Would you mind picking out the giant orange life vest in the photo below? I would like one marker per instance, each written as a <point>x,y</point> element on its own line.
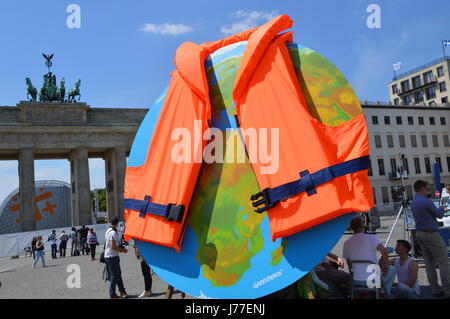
<point>322,170</point>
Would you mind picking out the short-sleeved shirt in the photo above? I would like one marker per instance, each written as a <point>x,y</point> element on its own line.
<point>111,235</point>
<point>361,246</point>
<point>73,235</point>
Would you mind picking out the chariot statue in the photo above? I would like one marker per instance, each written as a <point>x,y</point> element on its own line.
<point>49,91</point>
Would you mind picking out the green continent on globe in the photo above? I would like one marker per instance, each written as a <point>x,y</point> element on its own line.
<point>327,92</point>
<point>228,232</point>
<point>277,254</point>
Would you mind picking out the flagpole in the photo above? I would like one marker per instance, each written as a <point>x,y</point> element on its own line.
<point>443,48</point>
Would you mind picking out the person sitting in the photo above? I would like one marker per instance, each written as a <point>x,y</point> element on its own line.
<point>328,271</point>
<point>407,271</point>
<point>363,247</point>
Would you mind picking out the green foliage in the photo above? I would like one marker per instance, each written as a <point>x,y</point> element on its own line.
<point>101,199</point>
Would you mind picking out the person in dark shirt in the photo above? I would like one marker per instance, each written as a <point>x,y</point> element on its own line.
<point>83,231</point>
<point>432,245</point>
<point>39,252</point>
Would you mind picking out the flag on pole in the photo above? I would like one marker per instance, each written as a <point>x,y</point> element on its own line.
<point>397,66</point>
<point>446,43</point>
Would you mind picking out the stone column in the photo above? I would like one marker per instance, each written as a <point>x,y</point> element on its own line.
<point>26,190</point>
<point>81,190</point>
<point>115,165</point>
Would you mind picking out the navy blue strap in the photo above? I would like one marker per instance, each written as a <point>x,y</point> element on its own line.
<point>170,212</point>
<point>307,183</point>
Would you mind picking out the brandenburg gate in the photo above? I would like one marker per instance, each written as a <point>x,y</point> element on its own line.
<point>72,131</point>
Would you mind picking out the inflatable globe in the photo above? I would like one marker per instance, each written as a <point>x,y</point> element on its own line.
<point>227,250</point>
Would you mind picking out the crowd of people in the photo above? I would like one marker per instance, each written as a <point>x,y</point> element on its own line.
<point>360,253</point>
<point>83,240</point>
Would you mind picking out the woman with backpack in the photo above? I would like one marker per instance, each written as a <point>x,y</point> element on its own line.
<point>92,242</point>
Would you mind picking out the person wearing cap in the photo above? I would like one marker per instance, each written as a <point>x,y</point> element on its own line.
<point>112,250</point>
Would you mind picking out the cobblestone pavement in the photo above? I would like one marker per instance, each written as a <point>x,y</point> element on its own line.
<point>20,280</point>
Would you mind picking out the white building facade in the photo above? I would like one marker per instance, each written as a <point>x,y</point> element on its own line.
<point>420,133</point>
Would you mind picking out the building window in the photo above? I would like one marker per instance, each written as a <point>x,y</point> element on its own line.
<point>448,164</point>
<point>370,167</point>
<point>381,171</point>
<point>446,141</point>
<point>417,165</point>
<point>394,89</point>
<point>405,86</point>
<point>396,101</point>
<point>427,165</point>
<point>384,194</point>
<point>375,120</point>
<point>432,103</point>
<point>393,165</point>
<point>428,77</point>
<point>378,141</point>
<point>420,120</point>
<point>401,140</point>
<point>390,141</point>
<point>444,100</point>
<point>398,119</point>
<point>406,165</point>
<point>410,120</point>
<point>387,120</point>
<point>442,120</point>
<point>432,121</point>
<point>435,140</point>
<point>418,96</point>
<point>413,141</point>
<point>409,193</point>
<point>416,82</point>
<point>442,87</point>
<point>440,71</point>
<point>431,92</point>
<point>424,140</point>
<point>438,161</point>
<point>408,99</point>
<point>374,196</point>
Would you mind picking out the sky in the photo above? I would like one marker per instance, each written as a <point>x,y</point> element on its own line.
<point>123,50</point>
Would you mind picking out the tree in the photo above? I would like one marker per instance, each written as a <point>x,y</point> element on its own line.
<point>101,199</point>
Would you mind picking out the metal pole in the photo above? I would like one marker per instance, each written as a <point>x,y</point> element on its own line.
<point>393,226</point>
<point>443,48</point>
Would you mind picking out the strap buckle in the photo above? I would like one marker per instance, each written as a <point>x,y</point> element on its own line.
<point>265,199</point>
<point>174,213</point>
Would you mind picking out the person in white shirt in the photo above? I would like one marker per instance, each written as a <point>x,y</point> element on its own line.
<point>407,271</point>
<point>53,241</point>
<point>112,250</point>
<point>364,247</point>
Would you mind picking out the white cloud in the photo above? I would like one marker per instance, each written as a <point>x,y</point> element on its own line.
<point>247,20</point>
<point>166,28</point>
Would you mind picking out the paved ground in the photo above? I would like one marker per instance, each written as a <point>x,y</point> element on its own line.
<point>19,280</point>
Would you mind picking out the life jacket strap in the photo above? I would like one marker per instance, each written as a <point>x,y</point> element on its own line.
<point>170,212</point>
<point>307,182</point>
